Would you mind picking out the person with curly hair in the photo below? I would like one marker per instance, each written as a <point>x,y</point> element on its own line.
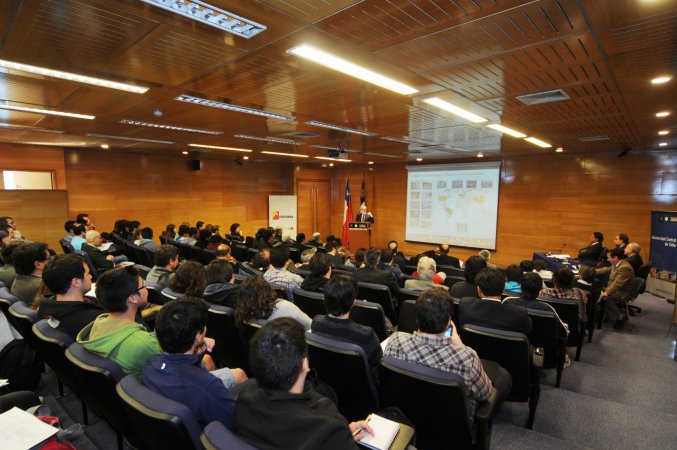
<point>188,280</point>
<point>259,303</point>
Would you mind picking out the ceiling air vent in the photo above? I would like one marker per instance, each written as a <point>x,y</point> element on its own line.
<point>300,135</point>
<point>543,97</point>
<point>593,138</point>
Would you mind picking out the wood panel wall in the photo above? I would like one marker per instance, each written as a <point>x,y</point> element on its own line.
<point>39,215</point>
<point>27,157</point>
<point>544,202</point>
<point>158,190</point>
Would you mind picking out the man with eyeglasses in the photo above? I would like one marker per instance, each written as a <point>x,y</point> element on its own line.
<point>116,335</point>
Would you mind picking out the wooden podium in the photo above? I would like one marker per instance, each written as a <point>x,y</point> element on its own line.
<point>359,235</point>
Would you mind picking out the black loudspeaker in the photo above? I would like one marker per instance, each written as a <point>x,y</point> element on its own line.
<point>195,164</point>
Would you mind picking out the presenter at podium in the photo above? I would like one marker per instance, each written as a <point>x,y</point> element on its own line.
<point>364,216</point>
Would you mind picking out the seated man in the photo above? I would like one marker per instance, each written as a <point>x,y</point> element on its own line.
<point>101,260</point>
<point>486,254</point>
<point>587,282</point>
<point>315,240</point>
<point>181,327</point>
<point>468,288</point>
<point>332,252</point>
<point>306,256</point>
<point>116,335</point>
<point>590,254</point>
<point>338,300</point>
<point>388,263</point>
<point>320,272</point>
<point>69,226</point>
<point>30,260</point>
<point>79,239</point>
<point>278,273</point>
<point>620,288</point>
<point>488,311</point>
<point>221,287</point>
<point>166,260</point>
<point>67,276</point>
<point>147,239</point>
<point>7,271</point>
<point>371,274</point>
<point>541,269</point>
<point>280,410</point>
<point>632,252</point>
<point>431,347</point>
<point>564,288</point>
<point>443,258</point>
<point>189,236</point>
<point>513,275</point>
<point>426,269</point>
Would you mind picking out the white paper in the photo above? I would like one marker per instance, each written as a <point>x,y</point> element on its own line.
<point>92,291</point>
<point>105,247</point>
<point>21,430</point>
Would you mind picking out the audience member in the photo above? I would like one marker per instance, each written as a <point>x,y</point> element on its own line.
<point>387,263</point>
<point>30,260</point>
<point>189,279</point>
<point>147,239</point>
<point>359,257</point>
<point>223,252</point>
<point>299,245</point>
<point>203,238</point>
<point>398,257</point>
<point>166,261</point>
<point>513,275</point>
<point>621,240</point>
<point>344,253</point>
<point>261,260</point>
<point>277,272</point>
<point>214,241</point>
<point>426,270</point>
<point>281,410</point>
<point>235,235</point>
<point>221,287</point>
<point>7,271</point>
<point>78,239</point>
<point>258,302</point>
<point>189,236</point>
<point>69,226</point>
<point>332,252</point>
<point>468,288</point>
<point>320,272</point>
<point>170,232</point>
<point>619,290</point>
<point>267,238</point>
<point>540,269</point>
<point>632,253</point>
<point>486,254</point>
<point>590,254</point>
<point>564,289</point>
<point>67,277</point>
<point>306,256</point>
<point>527,265</point>
<point>102,261</point>
<point>315,240</point>
<point>83,219</point>
<point>371,274</point>
<point>442,257</point>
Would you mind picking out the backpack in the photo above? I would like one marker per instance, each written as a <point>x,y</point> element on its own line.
<point>20,365</point>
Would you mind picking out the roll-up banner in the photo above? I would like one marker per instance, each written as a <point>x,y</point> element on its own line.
<point>663,254</point>
<point>282,213</point>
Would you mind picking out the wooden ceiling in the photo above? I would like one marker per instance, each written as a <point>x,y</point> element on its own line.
<point>602,54</point>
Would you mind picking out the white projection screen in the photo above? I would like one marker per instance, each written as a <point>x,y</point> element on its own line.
<point>455,204</point>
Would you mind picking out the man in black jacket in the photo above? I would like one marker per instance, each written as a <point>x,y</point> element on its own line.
<point>590,254</point>
<point>371,274</point>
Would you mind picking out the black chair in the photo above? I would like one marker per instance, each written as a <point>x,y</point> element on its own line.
<point>513,352</point>
<point>282,291</point>
<point>154,296</point>
<point>451,271</point>
<point>7,299</point>
<point>162,423</point>
<point>435,401</point>
<point>408,322</point>
<point>295,255</point>
<point>141,255</point>
<point>450,281</point>
<point>88,260</point>
<point>311,303</point>
<point>545,334</point>
<point>98,376</point>
<point>640,284</point>
<point>51,345</point>
<point>249,270</point>
<point>344,367</point>
<point>23,318</point>
<point>184,250</point>
<point>568,313</point>
<point>239,252</point>
<point>216,436</point>
<point>165,297</point>
<point>409,269</point>
<point>371,315</point>
<point>229,348</point>
<point>249,329</point>
<point>250,242</point>
<point>409,294</point>
<point>163,240</point>
<point>378,293</point>
<point>66,246</point>
<point>143,270</point>
<point>207,256</point>
<point>239,278</point>
<point>302,272</point>
<point>251,252</point>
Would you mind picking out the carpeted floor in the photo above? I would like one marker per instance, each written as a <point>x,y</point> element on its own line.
<point>620,395</point>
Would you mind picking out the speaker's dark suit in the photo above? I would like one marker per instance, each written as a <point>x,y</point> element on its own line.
<point>364,218</point>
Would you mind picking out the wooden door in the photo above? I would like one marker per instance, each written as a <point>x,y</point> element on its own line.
<point>314,208</point>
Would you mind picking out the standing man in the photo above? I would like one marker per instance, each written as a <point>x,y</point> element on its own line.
<point>621,285</point>
<point>364,216</point>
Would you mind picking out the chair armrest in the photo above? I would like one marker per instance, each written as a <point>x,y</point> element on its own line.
<point>485,409</point>
<point>537,358</point>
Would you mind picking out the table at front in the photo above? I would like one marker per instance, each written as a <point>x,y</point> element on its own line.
<point>553,264</point>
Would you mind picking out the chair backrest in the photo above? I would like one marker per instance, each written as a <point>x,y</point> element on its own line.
<point>143,270</point>
<point>451,280</point>
<point>161,422</point>
<point>154,296</point>
<point>6,300</point>
<point>66,246</point>
<point>408,322</point>
<point>166,297</point>
<point>92,268</point>
<point>451,271</point>
<point>282,291</point>
<point>509,349</point>
<point>344,367</point>
<point>545,334</point>
<point>184,250</point>
<point>248,269</point>
<point>239,252</point>
<point>295,255</point>
<point>302,272</point>
<point>371,315</point>
<point>250,242</point>
<point>229,348</point>
<point>644,269</point>
<point>23,318</point>
<point>163,240</point>
<point>140,256</point>
<point>207,256</point>
<point>239,278</point>
<point>97,376</point>
<point>568,313</point>
<point>216,436</point>
<point>640,283</point>
<point>311,303</point>
<point>251,252</point>
<point>51,344</point>
<point>249,329</point>
<point>433,400</point>
<point>409,294</point>
<point>378,293</point>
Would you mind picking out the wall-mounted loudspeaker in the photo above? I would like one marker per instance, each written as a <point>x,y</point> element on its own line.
<point>195,164</point>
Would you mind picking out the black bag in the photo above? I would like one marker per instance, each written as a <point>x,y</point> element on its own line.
<point>21,366</point>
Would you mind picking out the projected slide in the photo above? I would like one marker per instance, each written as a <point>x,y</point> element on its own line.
<point>456,204</point>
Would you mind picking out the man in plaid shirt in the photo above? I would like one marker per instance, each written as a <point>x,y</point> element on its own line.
<point>565,289</point>
<point>278,273</point>
<point>430,347</point>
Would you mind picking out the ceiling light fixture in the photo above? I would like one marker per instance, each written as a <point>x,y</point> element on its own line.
<point>50,112</point>
<point>168,127</point>
<point>341,65</point>
<point>274,140</point>
<point>331,164</point>
<point>663,132</point>
<point>216,147</point>
<point>663,114</point>
<point>317,123</point>
<point>184,152</point>
<point>55,144</point>
<point>538,142</point>
<point>370,162</point>
<point>73,77</point>
<point>8,126</point>
<point>438,102</point>
<point>104,146</point>
<point>229,107</point>
<point>661,80</point>
<point>663,144</point>
<point>125,138</point>
<point>506,130</point>
<point>559,150</point>
<point>480,155</point>
<point>333,159</point>
<point>245,157</point>
<point>295,155</point>
<point>211,15</point>
<point>419,159</point>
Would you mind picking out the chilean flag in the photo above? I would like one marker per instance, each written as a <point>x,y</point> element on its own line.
<point>347,214</point>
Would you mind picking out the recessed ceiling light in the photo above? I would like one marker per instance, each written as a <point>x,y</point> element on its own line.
<point>55,144</point>
<point>333,62</point>
<point>125,138</point>
<point>663,114</point>
<point>50,112</point>
<point>331,164</point>
<point>295,155</point>
<point>104,146</point>
<point>506,130</point>
<point>661,80</point>
<point>184,152</point>
<point>211,15</point>
<point>419,159</point>
<point>245,157</point>
<point>268,139</point>
<point>663,144</point>
<point>480,155</point>
<point>168,127</point>
<point>538,142</point>
<point>216,147</point>
<point>73,77</point>
<point>370,162</point>
<point>333,159</point>
<point>229,107</point>
<point>316,123</point>
<point>663,132</point>
<point>438,102</point>
<point>559,150</point>
<point>8,126</point>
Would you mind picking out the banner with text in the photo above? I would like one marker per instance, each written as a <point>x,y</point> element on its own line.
<point>663,254</point>
<point>282,213</point>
